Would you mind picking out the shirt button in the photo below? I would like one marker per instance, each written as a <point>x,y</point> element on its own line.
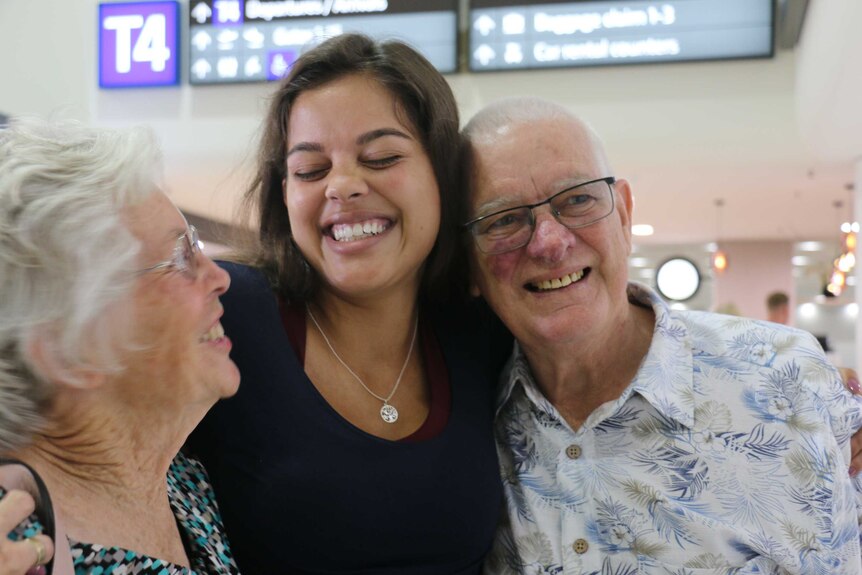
<point>580,546</point>
<point>573,451</point>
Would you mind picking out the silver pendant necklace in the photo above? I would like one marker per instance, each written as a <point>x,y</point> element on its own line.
<point>388,413</point>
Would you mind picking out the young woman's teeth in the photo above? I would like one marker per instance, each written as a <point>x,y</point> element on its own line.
<point>215,332</point>
<point>557,283</point>
<point>357,231</point>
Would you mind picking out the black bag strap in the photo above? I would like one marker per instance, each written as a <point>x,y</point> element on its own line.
<point>44,507</point>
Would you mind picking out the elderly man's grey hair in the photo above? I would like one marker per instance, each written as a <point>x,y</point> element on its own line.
<point>488,122</point>
<point>508,111</point>
<point>65,256</point>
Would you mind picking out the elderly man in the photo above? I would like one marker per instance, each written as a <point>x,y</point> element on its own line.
<point>636,439</point>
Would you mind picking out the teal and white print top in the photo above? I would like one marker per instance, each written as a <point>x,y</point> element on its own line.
<point>727,455</point>
<point>200,524</point>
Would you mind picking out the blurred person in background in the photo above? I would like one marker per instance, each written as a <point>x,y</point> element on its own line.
<point>778,308</point>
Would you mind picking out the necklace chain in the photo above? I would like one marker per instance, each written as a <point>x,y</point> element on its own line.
<point>387,412</point>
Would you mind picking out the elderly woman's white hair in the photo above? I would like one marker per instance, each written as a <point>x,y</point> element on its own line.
<point>66,257</point>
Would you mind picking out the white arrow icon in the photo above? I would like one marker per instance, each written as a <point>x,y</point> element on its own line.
<point>201,40</point>
<point>201,68</point>
<point>254,38</point>
<point>484,24</point>
<point>201,12</point>
<point>484,54</point>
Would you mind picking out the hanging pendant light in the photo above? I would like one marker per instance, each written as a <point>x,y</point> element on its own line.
<point>846,261</point>
<point>719,256</point>
<point>719,260</point>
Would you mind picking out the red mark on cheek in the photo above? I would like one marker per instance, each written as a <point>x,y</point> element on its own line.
<point>502,266</point>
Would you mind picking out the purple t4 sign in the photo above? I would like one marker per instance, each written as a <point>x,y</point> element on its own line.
<point>138,44</point>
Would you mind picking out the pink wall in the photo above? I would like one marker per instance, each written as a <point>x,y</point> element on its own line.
<point>755,269</point>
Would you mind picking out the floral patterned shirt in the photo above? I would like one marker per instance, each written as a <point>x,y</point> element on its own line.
<point>194,506</point>
<point>199,521</point>
<point>727,454</point>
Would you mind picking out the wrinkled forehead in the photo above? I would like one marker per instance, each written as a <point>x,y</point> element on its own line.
<point>525,162</point>
<point>156,223</point>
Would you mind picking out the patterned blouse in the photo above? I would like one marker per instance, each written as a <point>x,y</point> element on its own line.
<point>199,520</point>
<point>726,455</point>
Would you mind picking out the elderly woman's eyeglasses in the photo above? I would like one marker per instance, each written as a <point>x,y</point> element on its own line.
<point>574,207</point>
<point>185,255</point>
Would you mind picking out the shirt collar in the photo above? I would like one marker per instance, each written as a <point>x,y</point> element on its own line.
<point>664,378</point>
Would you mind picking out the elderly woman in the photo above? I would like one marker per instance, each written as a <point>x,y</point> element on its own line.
<point>111,350</point>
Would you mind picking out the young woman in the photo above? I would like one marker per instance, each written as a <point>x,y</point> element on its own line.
<point>360,440</point>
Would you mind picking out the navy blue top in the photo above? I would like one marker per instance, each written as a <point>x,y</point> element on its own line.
<point>302,490</point>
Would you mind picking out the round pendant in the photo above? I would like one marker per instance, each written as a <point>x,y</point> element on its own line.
<point>388,413</point>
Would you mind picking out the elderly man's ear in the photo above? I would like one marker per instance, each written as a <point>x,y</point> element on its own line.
<point>626,198</point>
<point>625,205</point>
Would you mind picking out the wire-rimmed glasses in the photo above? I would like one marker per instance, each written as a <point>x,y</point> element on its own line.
<point>185,258</point>
<point>574,207</point>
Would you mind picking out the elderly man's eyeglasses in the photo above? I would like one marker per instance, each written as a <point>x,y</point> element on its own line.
<point>185,258</point>
<point>574,207</point>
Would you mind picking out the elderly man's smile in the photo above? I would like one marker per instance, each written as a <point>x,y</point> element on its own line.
<point>558,283</point>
